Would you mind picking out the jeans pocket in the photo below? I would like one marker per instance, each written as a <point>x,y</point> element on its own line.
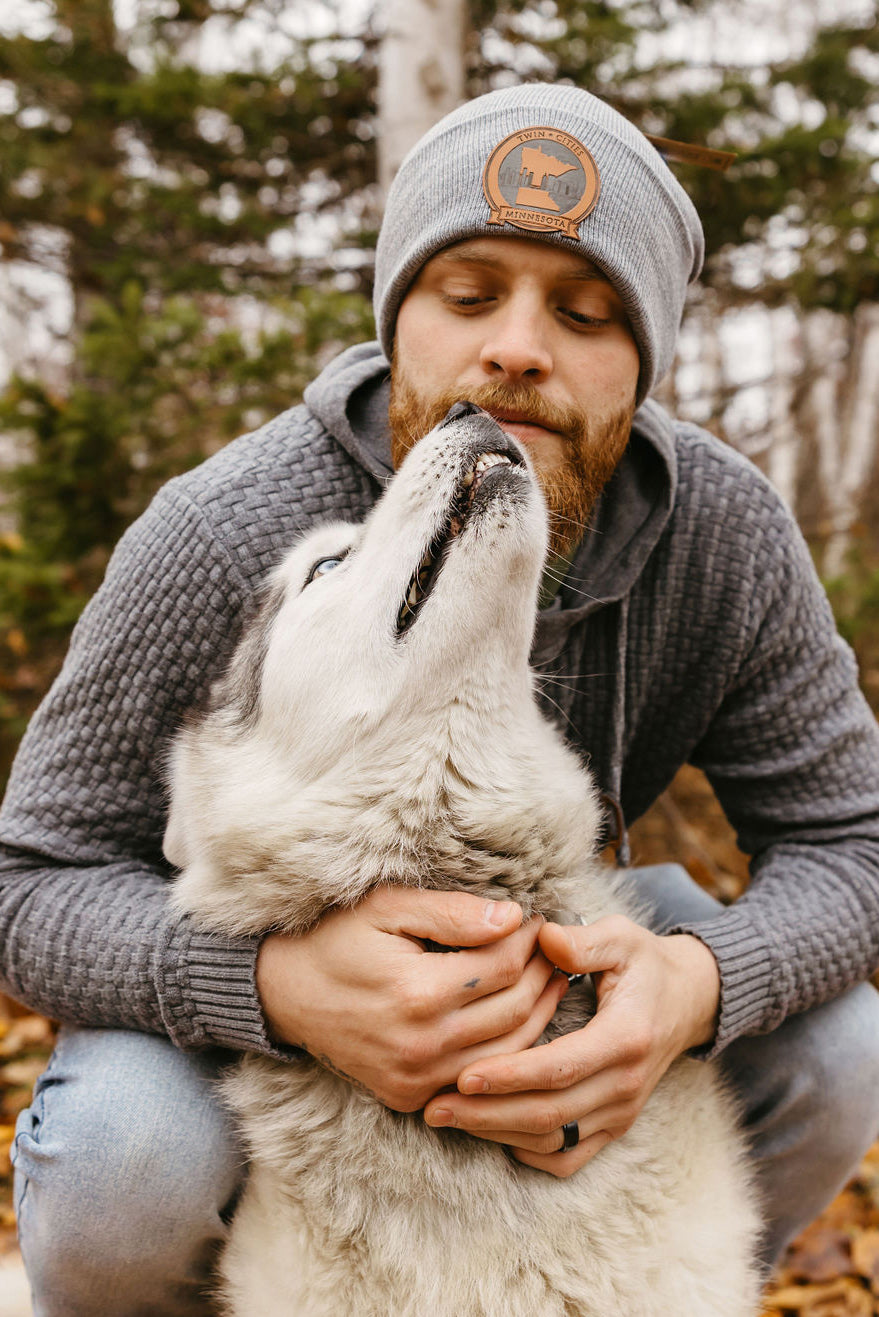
<point>26,1140</point>
<point>24,1128</point>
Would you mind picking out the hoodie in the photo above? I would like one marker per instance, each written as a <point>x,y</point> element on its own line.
<point>690,627</point>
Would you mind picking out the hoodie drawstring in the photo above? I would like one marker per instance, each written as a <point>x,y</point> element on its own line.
<point>624,853</point>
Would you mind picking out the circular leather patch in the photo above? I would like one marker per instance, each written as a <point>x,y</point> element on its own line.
<point>541,179</point>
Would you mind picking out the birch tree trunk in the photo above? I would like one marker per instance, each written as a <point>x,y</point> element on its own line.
<point>856,451</point>
<point>421,74</point>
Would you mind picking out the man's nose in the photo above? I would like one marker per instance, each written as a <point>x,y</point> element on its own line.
<point>517,345</point>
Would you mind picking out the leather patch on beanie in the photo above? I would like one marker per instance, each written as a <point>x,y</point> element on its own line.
<point>541,179</point>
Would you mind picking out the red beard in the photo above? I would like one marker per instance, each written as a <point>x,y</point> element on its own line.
<point>570,486</point>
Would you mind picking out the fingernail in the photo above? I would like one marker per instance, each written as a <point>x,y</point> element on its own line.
<point>497,912</point>
<point>440,1116</point>
<point>473,1084</point>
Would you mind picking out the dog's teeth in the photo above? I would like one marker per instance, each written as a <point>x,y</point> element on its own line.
<point>470,480</point>
<point>485,460</point>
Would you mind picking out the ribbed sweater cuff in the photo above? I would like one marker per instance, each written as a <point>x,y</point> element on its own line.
<point>747,976</point>
<point>222,985</point>
<point>209,992</point>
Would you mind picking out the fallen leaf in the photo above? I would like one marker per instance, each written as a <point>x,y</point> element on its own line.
<point>24,1073</point>
<point>865,1257</point>
<point>848,1207</point>
<point>842,1298</point>
<point>26,1031</point>
<point>820,1253</point>
<point>7,1134</point>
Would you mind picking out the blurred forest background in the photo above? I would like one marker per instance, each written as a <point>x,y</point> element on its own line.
<point>188,202</point>
<point>189,195</point>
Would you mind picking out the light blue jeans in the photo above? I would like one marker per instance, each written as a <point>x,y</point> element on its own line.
<point>126,1170</point>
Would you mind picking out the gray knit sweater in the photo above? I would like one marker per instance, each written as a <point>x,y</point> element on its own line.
<point>691,628</point>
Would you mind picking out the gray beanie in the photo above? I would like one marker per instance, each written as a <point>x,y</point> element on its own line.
<point>555,163</point>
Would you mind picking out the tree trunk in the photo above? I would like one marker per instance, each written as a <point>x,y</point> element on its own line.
<point>421,74</point>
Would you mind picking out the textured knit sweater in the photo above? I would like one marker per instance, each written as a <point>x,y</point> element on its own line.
<point>691,627</point>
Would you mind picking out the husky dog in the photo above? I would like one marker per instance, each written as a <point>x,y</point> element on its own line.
<point>378,724</point>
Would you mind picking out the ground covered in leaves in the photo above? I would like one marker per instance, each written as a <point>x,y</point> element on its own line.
<point>25,1044</point>
<point>831,1270</point>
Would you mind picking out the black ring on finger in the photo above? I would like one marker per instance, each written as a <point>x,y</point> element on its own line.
<point>570,1136</point>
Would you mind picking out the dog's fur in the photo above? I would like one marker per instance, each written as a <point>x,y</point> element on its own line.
<point>339,753</point>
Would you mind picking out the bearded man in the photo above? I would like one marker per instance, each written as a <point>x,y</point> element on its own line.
<point>534,259</point>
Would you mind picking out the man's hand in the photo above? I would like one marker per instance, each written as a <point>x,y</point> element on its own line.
<point>657,997</point>
<point>362,994</point>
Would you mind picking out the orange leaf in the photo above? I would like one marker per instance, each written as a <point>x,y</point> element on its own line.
<point>842,1298</point>
<point>865,1256</point>
<point>7,1134</point>
<point>16,641</point>
<point>26,1031</point>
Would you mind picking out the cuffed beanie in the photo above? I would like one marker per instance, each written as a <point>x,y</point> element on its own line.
<point>557,164</point>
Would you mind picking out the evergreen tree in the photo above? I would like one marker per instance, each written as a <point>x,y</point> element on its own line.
<point>806,181</point>
<point>159,190</point>
<point>163,192</point>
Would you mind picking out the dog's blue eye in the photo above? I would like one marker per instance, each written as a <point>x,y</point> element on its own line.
<point>321,567</point>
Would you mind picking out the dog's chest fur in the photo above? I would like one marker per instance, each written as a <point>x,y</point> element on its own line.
<point>425,760</point>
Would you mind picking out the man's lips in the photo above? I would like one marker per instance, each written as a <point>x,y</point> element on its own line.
<point>510,419</point>
<point>521,427</point>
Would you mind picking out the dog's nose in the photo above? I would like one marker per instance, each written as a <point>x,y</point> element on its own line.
<point>459,409</point>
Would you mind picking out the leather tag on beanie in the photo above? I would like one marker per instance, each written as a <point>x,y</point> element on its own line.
<point>684,153</point>
<point>541,179</point>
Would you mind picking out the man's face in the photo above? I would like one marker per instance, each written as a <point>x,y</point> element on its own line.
<point>539,338</point>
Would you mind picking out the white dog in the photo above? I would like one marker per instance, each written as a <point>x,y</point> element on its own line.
<point>378,724</point>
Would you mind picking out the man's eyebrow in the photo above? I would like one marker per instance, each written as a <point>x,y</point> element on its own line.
<point>463,256</point>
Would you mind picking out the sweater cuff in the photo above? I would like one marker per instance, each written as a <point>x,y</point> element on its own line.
<point>208,992</point>
<point>747,976</point>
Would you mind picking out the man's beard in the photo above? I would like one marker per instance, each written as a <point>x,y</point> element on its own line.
<point>570,486</point>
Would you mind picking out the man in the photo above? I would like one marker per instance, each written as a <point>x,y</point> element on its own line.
<point>534,259</point>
